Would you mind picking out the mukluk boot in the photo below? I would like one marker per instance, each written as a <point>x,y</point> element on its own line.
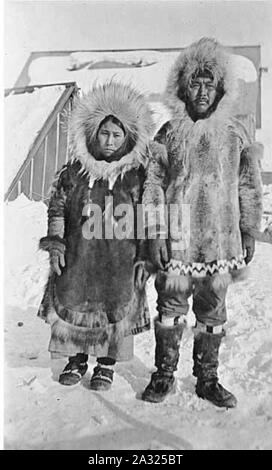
<point>102,377</point>
<point>205,356</point>
<point>166,360</point>
<point>74,370</point>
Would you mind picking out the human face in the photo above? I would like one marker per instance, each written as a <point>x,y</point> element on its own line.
<point>110,138</point>
<point>201,96</point>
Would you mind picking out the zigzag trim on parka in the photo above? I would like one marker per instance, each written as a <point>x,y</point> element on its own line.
<point>201,270</point>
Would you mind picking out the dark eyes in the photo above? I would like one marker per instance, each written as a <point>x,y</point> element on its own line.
<point>107,133</point>
<point>195,85</point>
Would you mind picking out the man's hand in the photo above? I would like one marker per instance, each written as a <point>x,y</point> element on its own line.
<point>158,252</point>
<point>57,261</point>
<point>248,244</point>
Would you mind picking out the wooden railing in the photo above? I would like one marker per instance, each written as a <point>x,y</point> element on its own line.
<point>48,152</point>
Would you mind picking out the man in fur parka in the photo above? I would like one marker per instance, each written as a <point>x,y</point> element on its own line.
<point>209,164</point>
<point>95,294</point>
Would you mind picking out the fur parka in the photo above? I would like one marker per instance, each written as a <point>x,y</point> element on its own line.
<point>94,304</point>
<point>209,168</point>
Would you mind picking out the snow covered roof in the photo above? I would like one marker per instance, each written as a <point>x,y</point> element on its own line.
<point>25,115</point>
<point>146,70</point>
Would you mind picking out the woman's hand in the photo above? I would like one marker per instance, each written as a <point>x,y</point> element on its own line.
<point>55,246</point>
<point>57,261</point>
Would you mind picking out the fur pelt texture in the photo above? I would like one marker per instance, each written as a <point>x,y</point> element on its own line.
<point>211,168</point>
<point>52,243</point>
<point>205,54</point>
<point>94,304</point>
<point>126,104</point>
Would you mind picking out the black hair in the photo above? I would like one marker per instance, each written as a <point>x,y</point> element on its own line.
<point>114,120</point>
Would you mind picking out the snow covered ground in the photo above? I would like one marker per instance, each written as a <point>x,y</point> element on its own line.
<point>42,414</point>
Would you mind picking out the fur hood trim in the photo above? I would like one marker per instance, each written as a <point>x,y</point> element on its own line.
<point>206,53</point>
<point>130,107</point>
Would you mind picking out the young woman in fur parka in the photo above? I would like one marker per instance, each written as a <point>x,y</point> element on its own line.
<point>91,299</point>
<point>208,163</point>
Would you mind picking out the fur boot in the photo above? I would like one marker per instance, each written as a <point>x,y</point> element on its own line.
<point>74,370</point>
<point>166,360</point>
<point>102,378</point>
<point>205,355</point>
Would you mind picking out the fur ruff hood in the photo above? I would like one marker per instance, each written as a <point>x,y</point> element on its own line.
<point>206,54</point>
<point>127,105</point>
